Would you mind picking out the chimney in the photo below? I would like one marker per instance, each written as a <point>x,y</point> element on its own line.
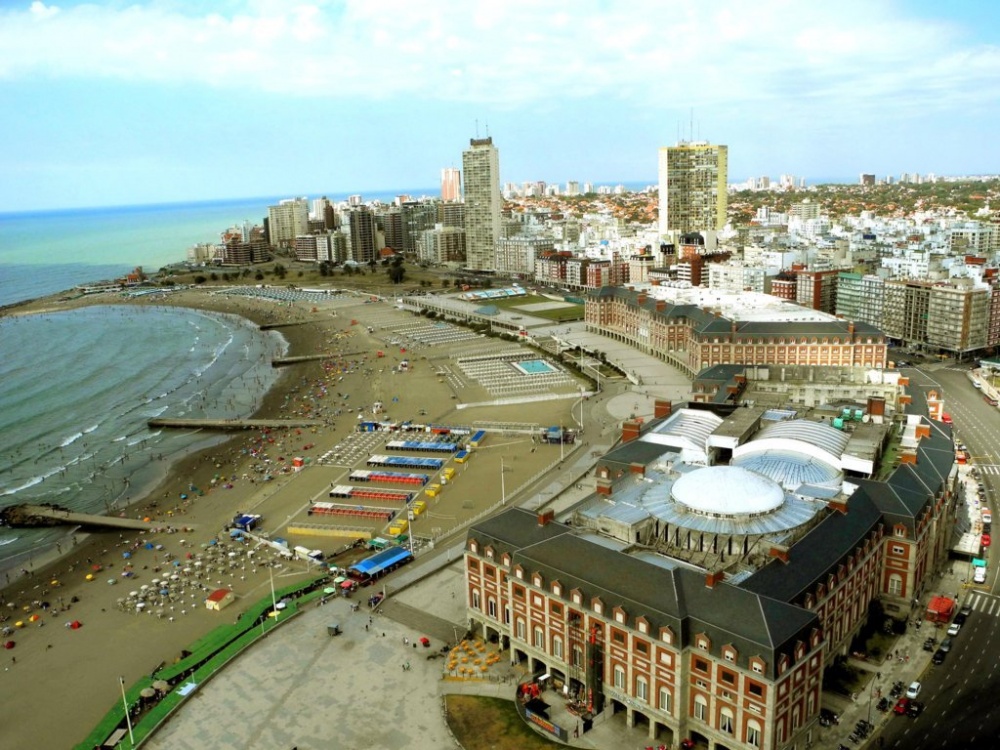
<point>876,406</point>
<point>603,486</point>
<point>631,430</point>
<point>713,578</point>
<point>838,505</point>
<point>779,553</point>
<point>637,468</point>
<point>922,431</point>
<point>662,408</point>
<point>641,299</point>
<point>544,518</point>
<point>661,305</point>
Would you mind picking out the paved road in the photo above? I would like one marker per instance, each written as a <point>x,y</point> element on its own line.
<point>961,709</point>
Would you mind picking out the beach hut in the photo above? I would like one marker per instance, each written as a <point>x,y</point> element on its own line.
<point>219,599</point>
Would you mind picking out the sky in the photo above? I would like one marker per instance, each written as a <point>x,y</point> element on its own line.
<point>162,101</point>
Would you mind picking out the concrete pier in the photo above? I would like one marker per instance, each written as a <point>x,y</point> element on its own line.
<point>282,361</point>
<point>42,515</point>
<point>232,424</point>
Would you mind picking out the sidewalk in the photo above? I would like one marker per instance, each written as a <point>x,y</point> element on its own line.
<point>862,705</point>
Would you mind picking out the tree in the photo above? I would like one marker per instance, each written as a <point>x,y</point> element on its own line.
<point>259,276</point>
<point>396,273</point>
<point>199,279</point>
<point>279,270</point>
<point>214,276</point>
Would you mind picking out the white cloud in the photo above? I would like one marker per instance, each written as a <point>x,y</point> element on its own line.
<point>644,53</point>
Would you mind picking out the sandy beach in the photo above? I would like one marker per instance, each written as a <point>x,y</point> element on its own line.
<point>76,670</point>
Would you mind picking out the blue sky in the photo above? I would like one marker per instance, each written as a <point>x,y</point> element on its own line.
<point>142,102</point>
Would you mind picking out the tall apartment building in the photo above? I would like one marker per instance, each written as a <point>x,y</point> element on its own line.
<point>392,226</point>
<point>441,245</point>
<point>817,290</point>
<point>860,297</point>
<point>736,276</point>
<point>516,255</point>
<point>693,189</point>
<point>364,235</point>
<point>481,165</point>
<point>451,184</point>
<point>952,317</point>
<point>287,220</point>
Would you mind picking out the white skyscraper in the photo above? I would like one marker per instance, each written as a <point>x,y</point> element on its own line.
<point>481,166</point>
<point>693,189</point>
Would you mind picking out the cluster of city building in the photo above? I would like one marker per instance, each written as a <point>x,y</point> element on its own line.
<point>927,281</point>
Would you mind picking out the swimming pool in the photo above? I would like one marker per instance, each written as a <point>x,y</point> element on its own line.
<point>533,367</point>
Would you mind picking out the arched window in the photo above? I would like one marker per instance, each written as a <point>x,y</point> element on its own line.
<point>700,708</point>
<point>726,720</point>
<point>753,733</point>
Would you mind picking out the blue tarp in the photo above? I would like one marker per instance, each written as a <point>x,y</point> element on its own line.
<point>372,566</point>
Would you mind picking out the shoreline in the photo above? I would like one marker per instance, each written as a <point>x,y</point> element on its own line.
<point>157,473</point>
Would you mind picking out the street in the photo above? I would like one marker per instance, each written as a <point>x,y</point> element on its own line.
<point>961,710</point>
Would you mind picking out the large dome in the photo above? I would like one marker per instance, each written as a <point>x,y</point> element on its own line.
<point>727,491</point>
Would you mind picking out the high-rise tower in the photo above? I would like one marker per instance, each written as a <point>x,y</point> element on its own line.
<point>451,184</point>
<point>693,184</point>
<point>483,201</point>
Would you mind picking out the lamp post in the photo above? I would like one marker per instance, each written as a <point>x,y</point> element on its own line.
<point>128,718</point>
<point>503,486</point>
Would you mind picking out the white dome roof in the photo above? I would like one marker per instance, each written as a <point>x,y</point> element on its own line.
<point>727,491</point>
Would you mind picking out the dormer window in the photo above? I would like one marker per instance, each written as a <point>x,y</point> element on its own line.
<point>557,589</point>
<point>473,546</point>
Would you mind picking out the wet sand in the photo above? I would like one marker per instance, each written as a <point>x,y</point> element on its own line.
<point>73,673</point>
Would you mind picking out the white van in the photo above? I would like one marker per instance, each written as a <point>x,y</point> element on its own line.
<point>987,517</point>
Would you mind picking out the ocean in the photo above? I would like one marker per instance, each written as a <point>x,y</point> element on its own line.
<point>77,387</point>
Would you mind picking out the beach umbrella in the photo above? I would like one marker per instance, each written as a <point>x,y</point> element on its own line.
<point>9,645</point>
<point>90,576</point>
<point>183,496</point>
<point>161,685</point>
<point>34,618</point>
<point>76,625</point>
<point>126,555</point>
<point>147,693</point>
<point>19,624</point>
<point>112,581</point>
<point>148,545</point>
<point>95,566</point>
<point>53,582</point>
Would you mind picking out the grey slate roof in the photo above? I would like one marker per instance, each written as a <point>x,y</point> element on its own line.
<point>819,552</point>
<point>675,598</point>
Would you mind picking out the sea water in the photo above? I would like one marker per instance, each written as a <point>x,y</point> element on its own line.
<point>77,389</point>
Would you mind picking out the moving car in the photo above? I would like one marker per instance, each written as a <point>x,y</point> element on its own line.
<point>946,418</point>
<point>913,690</point>
<point>901,705</point>
<point>913,710</point>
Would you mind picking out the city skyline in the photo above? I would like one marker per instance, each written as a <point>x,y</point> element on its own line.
<point>115,104</point>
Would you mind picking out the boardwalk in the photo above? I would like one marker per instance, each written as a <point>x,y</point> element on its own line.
<point>232,424</point>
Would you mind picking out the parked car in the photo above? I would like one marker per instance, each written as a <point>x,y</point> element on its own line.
<point>914,709</point>
<point>960,619</point>
<point>966,610</point>
<point>979,576</point>
<point>946,645</point>
<point>986,540</point>
<point>930,643</point>
<point>939,656</point>
<point>913,690</point>
<point>901,705</point>
<point>954,628</point>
